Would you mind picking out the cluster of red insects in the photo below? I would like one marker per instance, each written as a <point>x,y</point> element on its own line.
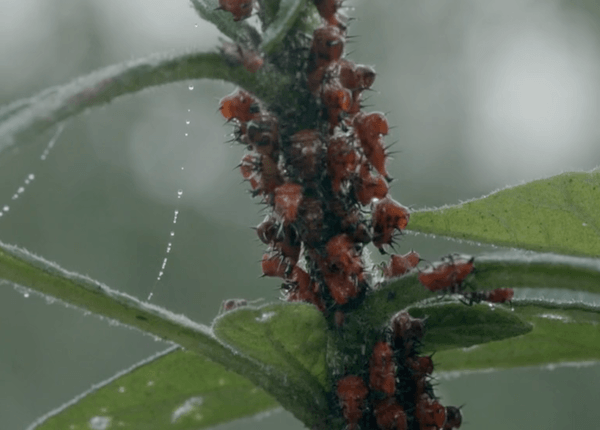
<point>318,169</point>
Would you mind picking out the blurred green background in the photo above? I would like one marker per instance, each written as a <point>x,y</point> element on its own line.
<point>484,94</point>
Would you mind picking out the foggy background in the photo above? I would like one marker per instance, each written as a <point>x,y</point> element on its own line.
<point>483,94</point>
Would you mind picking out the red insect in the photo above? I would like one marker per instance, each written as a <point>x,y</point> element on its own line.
<point>249,168</point>
<point>366,76</point>
<point>341,287</point>
<point>352,392</point>
<point>231,304</point>
<point>368,187</point>
<point>311,221</point>
<point>390,415</point>
<point>388,216</point>
<point>336,99</point>
<point>342,256</point>
<point>347,74</point>
<point>376,155</point>
<point>236,54</point>
<point>287,200</point>
<point>406,330</point>
<point>342,161</point>
<point>270,177</point>
<point>239,105</point>
<point>355,77</point>
<point>302,289</point>
<point>420,366</point>
<point>306,153</point>
<point>327,47</point>
<point>252,61</point>
<point>453,418</point>
<point>267,230</point>
<point>288,245</point>
<point>262,133</point>
<point>447,275</point>
<point>382,369</point>
<point>327,10</point>
<point>430,414</point>
<point>240,9</point>
<point>273,265</point>
<point>499,295</point>
<point>370,126</point>
<point>401,264</point>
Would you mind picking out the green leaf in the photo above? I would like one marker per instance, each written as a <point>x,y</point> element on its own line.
<point>558,335</point>
<point>26,118</point>
<point>172,390</point>
<point>454,325</point>
<point>560,214</point>
<point>21,268</point>
<point>288,338</point>
<point>287,14</point>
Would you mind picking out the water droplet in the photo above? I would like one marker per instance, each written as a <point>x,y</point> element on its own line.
<point>196,25</point>
<point>5,208</point>
<point>584,224</point>
<point>189,110</point>
<point>21,190</point>
<point>190,405</point>
<point>26,295</point>
<point>266,316</point>
<point>31,177</point>
<point>172,233</point>
<point>150,383</point>
<point>179,192</point>
<point>182,168</point>
<point>191,87</point>
<point>188,122</point>
<point>121,389</point>
<point>150,296</point>
<point>99,423</point>
<point>187,134</point>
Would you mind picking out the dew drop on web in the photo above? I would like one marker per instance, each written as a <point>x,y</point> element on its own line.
<point>163,266</point>
<point>30,177</point>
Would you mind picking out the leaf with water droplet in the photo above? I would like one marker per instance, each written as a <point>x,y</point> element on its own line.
<point>559,214</point>
<point>173,390</point>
